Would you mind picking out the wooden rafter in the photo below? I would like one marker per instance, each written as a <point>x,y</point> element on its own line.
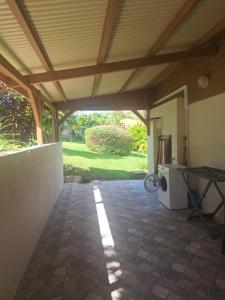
<point>176,21</point>
<point>34,40</point>
<point>214,33</point>
<point>120,65</point>
<point>105,39</point>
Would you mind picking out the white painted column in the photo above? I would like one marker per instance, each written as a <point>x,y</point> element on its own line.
<point>152,146</point>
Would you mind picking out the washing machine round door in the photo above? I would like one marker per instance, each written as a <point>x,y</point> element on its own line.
<point>163,183</point>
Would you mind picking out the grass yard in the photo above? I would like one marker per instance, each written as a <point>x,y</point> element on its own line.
<point>81,161</point>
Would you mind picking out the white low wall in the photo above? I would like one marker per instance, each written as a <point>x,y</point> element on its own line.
<point>30,182</point>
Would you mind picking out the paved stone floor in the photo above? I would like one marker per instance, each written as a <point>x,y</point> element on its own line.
<point>112,240</point>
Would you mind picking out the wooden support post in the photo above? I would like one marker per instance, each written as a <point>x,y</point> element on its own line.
<point>37,107</point>
<point>148,121</point>
<point>55,126</point>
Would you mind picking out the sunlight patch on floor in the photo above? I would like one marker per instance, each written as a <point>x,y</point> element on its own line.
<point>113,266</point>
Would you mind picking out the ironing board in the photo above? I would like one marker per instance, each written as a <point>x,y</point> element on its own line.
<point>214,177</point>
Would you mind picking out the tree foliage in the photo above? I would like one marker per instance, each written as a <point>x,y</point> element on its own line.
<point>47,127</point>
<point>138,133</point>
<point>77,124</point>
<point>17,121</point>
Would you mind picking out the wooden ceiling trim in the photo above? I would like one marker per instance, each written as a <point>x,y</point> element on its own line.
<point>214,33</point>
<point>176,21</point>
<point>120,65</point>
<point>34,40</point>
<point>105,39</point>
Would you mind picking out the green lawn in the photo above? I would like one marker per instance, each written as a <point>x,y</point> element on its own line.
<point>92,165</point>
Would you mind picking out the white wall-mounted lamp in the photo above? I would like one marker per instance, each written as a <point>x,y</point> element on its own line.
<point>203,81</point>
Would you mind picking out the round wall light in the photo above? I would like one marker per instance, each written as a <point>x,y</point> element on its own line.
<point>203,81</point>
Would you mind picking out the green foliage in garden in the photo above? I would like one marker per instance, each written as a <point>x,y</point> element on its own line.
<point>47,127</point>
<point>108,139</point>
<point>77,124</point>
<point>17,127</point>
<point>138,133</point>
<point>115,117</point>
<point>17,122</point>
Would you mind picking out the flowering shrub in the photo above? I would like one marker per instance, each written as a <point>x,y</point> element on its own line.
<point>108,139</point>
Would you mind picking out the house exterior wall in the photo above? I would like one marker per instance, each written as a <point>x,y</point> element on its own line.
<point>206,123</point>
<point>30,182</point>
<point>207,140</point>
<point>206,112</point>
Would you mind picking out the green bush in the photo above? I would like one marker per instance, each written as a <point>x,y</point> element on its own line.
<point>108,139</point>
<point>138,134</point>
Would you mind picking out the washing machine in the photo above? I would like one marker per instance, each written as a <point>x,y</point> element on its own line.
<point>172,192</point>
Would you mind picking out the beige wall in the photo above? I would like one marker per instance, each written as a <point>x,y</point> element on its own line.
<point>30,182</point>
<point>207,139</point>
<point>206,136</point>
<point>172,123</point>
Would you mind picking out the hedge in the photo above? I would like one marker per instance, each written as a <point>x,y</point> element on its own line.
<point>108,139</point>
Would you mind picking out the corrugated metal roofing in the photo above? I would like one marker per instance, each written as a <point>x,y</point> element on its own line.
<point>71,31</point>
<point>206,15</point>
<point>13,44</point>
<point>138,25</point>
<point>48,88</point>
<point>79,87</point>
<point>145,77</point>
<point>113,82</point>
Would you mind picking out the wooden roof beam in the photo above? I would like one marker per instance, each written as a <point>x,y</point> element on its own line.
<point>34,40</point>
<point>120,65</point>
<point>105,39</point>
<point>133,100</point>
<point>176,21</point>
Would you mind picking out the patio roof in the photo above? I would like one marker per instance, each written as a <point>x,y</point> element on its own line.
<point>122,46</point>
<point>101,55</point>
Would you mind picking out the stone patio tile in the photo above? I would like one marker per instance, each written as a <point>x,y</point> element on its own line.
<point>156,253</point>
<point>178,267</point>
<point>160,291</point>
<point>142,253</point>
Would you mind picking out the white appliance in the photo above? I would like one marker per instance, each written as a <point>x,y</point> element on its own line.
<point>172,192</point>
